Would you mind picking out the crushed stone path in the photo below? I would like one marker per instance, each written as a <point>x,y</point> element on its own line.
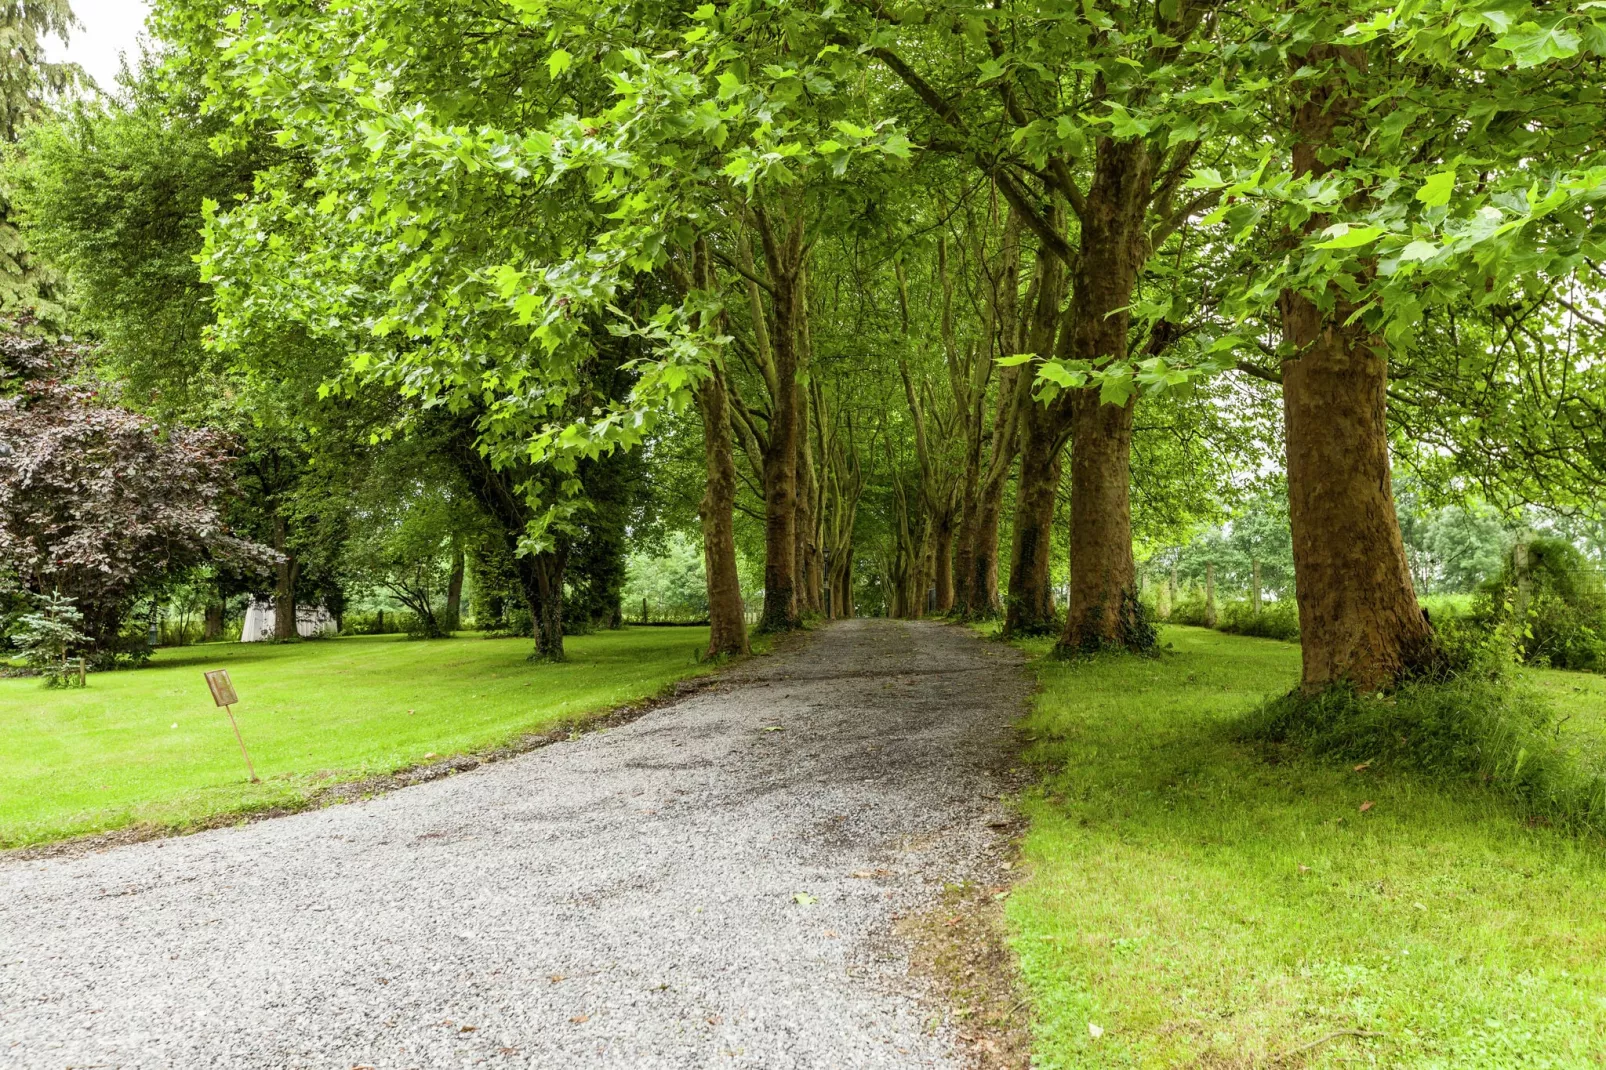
<point>712,885</point>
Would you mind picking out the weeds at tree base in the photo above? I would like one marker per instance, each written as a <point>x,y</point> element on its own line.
<point>1469,727</point>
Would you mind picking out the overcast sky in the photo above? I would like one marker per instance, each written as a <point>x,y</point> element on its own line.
<point>110,28</point>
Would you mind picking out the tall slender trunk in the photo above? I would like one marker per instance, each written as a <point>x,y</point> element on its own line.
<point>1359,620</point>
<point>284,591</point>
<point>783,256</point>
<point>1030,607</point>
<point>454,592</point>
<point>942,538</point>
<point>726,613</point>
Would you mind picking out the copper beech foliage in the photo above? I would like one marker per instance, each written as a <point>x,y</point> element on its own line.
<point>98,503</point>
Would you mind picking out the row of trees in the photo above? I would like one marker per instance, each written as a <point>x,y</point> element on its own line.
<point>927,298</point>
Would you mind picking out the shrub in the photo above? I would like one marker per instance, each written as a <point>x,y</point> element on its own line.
<point>1189,609</point>
<point>1565,622</point>
<point>1276,620</point>
<point>1476,726</point>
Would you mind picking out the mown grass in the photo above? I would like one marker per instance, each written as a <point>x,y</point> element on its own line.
<point>1202,905</point>
<point>148,746</point>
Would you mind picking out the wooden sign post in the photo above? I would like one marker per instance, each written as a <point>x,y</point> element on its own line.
<point>223,694</point>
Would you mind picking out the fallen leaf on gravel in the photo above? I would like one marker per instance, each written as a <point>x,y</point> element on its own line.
<point>580,1018</point>
<point>714,1019</point>
<point>468,1029</point>
<point>804,899</point>
<point>1094,1031</point>
<point>509,1051</point>
<point>775,728</point>
<point>1367,805</point>
<point>555,978</point>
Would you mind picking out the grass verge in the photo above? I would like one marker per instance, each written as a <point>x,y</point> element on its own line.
<point>146,748</point>
<point>1191,904</point>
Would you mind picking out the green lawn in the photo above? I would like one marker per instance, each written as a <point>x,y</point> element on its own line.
<point>149,747</point>
<point>1202,907</point>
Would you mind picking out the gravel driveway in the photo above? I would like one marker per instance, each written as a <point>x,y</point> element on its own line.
<point>712,885</point>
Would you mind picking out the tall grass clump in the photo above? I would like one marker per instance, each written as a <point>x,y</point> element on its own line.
<point>1276,620</point>
<point>1477,725</point>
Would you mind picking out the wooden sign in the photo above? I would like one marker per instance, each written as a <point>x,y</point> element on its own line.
<point>222,687</point>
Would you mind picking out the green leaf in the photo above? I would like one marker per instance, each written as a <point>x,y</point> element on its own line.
<point>1344,236</point>
<point>804,899</point>
<point>1419,250</point>
<point>558,62</point>
<point>1435,192</point>
<point>1016,360</point>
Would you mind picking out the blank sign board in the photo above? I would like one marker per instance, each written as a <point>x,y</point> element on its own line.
<point>222,687</point>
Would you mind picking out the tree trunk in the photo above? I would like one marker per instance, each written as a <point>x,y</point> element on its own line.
<point>454,593</point>
<point>943,562</point>
<point>1030,607</point>
<point>985,603</point>
<point>284,592</point>
<point>541,582</point>
<point>1103,610</point>
<point>1210,596</point>
<point>214,621</point>
<point>1254,594</point>
<point>727,621</point>
<point>1359,621</point>
<point>781,611</point>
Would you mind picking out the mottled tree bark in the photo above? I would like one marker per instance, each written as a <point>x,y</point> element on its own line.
<point>1029,609</point>
<point>1359,620</point>
<point>1102,610</point>
<point>284,591</point>
<point>942,538</point>
<point>783,254</point>
<point>726,620</point>
<point>454,592</point>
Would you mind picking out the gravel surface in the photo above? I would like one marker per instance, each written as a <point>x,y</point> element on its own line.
<point>714,884</point>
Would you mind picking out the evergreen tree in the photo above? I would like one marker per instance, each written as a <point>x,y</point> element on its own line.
<point>28,82</point>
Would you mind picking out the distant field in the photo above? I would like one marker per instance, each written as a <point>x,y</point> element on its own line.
<point>148,746</point>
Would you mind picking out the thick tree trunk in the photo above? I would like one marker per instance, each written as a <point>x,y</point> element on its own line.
<point>1030,606</point>
<point>1103,610</point>
<point>213,626</point>
<point>1359,621</point>
<point>726,613</point>
<point>454,592</point>
<point>284,591</point>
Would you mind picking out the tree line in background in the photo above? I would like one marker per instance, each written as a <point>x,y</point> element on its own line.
<point>922,309</point>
